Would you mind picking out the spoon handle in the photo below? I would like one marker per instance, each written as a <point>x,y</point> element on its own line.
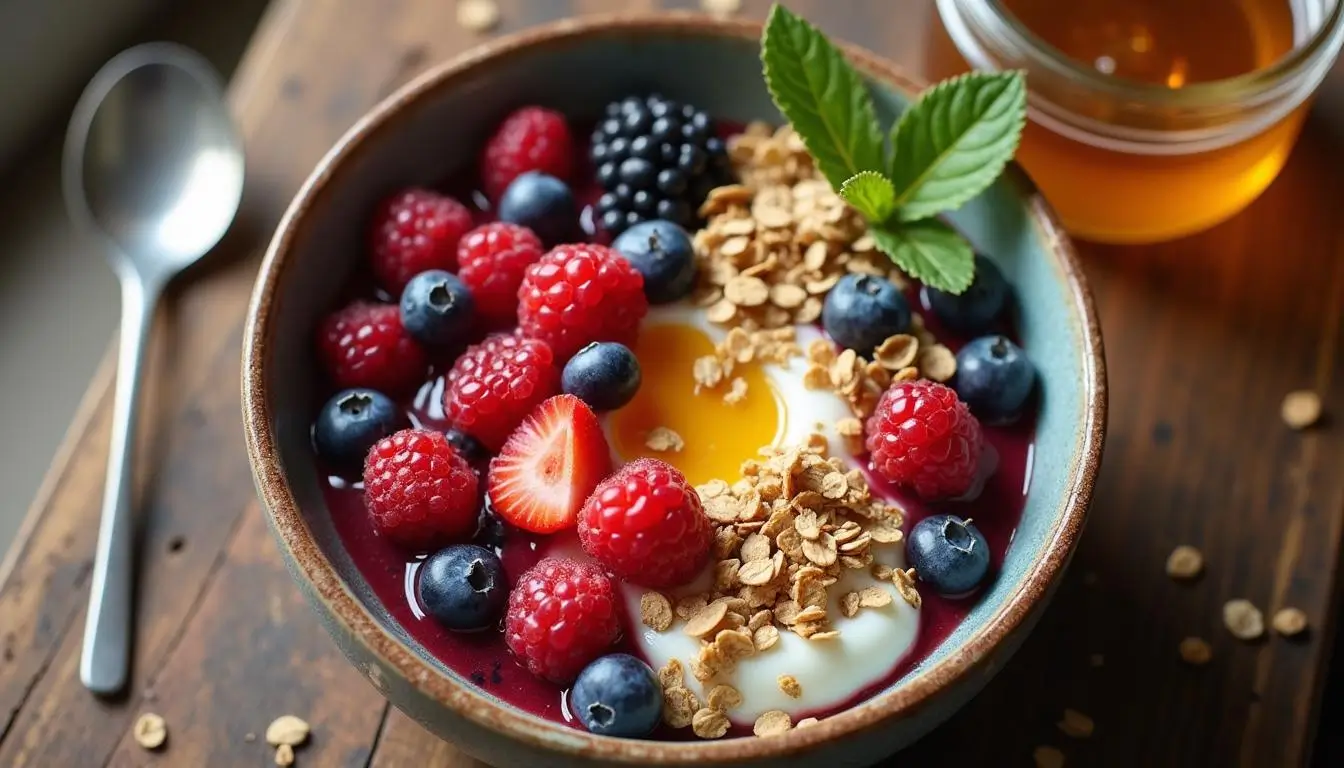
<point>105,662</point>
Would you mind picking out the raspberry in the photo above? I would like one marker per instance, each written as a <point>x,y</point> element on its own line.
<point>491,261</point>
<point>529,139</point>
<point>646,525</point>
<point>364,345</point>
<point>922,437</point>
<point>562,615</point>
<point>413,231</point>
<point>495,384</point>
<point>579,294</point>
<point>420,493</point>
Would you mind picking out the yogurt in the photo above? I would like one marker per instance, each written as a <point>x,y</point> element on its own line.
<point>830,672</point>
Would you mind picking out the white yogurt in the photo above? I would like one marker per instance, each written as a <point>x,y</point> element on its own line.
<point>830,672</point>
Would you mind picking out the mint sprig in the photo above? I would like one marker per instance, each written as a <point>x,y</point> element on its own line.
<point>955,141</point>
<point>822,96</point>
<point>871,194</point>
<point>948,147</point>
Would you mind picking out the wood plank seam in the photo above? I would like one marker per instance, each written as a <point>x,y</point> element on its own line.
<point>378,734</point>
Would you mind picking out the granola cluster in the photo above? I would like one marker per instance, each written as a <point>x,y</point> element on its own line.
<point>739,346</point>
<point>773,245</point>
<point>771,249</point>
<point>861,382</point>
<point>785,532</point>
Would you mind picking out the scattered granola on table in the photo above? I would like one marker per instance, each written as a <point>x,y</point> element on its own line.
<point>1301,409</point>
<point>1243,619</point>
<point>1195,651</point>
<point>150,731</point>
<point>1289,622</point>
<point>1185,562</point>
<point>1076,724</point>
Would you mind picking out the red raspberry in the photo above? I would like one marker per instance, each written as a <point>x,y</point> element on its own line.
<point>491,260</point>
<point>415,230</point>
<point>922,437</point>
<point>646,525</point>
<point>420,493</point>
<point>562,615</point>
<point>364,345</point>
<point>579,294</point>
<point>495,384</point>
<point>529,139</point>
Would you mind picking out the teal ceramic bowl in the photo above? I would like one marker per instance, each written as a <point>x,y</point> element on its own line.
<point>428,130</point>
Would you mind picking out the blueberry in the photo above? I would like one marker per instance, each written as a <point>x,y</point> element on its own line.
<point>463,587</point>
<point>948,553</point>
<point>436,308</point>
<point>861,311</point>
<point>974,310</point>
<point>351,422</point>
<point>994,377</point>
<point>604,374</point>
<point>662,252</point>
<point>541,203</point>
<point>617,695</point>
<point>467,446</point>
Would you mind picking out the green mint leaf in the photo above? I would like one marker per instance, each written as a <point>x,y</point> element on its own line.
<point>951,144</point>
<point>821,95</point>
<point>871,194</point>
<point>930,251</point>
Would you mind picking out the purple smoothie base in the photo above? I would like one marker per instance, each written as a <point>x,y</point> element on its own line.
<point>483,658</point>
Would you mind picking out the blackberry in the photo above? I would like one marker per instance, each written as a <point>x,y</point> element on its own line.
<point>655,159</point>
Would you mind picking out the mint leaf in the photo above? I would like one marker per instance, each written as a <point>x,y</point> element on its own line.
<point>871,194</point>
<point>930,251</point>
<point>822,96</point>
<point>950,145</point>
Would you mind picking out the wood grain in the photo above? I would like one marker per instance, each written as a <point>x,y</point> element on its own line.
<point>1204,336</point>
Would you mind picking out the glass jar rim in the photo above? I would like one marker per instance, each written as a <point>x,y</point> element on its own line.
<point>992,15</point>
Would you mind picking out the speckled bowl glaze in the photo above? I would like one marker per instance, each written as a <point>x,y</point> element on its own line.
<point>433,127</point>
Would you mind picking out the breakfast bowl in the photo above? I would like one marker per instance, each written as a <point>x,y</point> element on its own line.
<point>911,661</point>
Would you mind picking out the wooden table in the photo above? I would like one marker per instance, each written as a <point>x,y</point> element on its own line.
<point>1204,337</point>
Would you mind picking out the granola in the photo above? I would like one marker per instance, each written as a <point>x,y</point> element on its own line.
<point>785,532</point>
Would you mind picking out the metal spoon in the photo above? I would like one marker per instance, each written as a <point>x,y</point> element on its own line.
<point>154,166</point>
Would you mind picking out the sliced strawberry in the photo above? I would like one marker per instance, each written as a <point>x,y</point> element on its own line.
<point>549,466</point>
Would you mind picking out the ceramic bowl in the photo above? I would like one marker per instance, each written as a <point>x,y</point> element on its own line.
<point>431,128</point>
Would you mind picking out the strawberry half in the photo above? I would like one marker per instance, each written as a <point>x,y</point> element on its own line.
<point>549,466</point>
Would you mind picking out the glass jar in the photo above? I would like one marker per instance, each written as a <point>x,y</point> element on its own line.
<point>1133,161</point>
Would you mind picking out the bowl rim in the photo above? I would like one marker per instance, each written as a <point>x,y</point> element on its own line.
<point>311,564</point>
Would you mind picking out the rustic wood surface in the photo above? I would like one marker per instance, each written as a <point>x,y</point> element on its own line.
<point>1204,337</point>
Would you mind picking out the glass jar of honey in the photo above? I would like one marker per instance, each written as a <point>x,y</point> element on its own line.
<point>1150,119</point>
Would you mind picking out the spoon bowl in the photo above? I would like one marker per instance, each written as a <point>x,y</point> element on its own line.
<point>153,166</point>
<point>153,161</point>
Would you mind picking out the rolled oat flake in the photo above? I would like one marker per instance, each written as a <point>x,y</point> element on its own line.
<point>1243,619</point>
<point>150,731</point>
<point>287,730</point>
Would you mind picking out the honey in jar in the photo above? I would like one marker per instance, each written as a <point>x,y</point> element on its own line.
<point>1150,119</point>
